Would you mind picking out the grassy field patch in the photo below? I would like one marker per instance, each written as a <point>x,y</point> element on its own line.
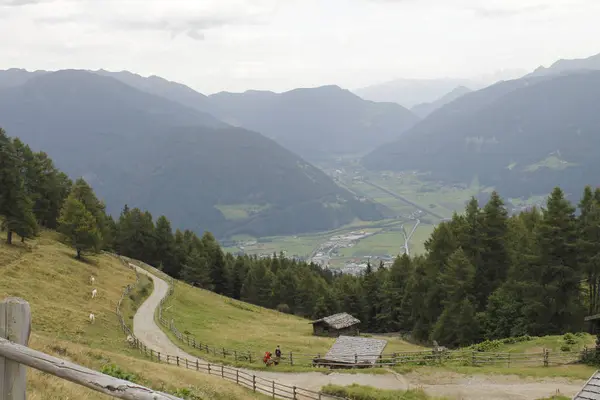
<point>550,162</point>
<point>235,212</point>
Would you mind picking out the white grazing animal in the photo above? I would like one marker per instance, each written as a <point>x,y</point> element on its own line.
<point>92,318</point>
<point>94,293</point>
<point>130,339</point>
<point>92,280</point>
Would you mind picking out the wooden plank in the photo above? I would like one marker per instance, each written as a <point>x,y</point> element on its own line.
<point>80,375</point>
<point>15,325</point>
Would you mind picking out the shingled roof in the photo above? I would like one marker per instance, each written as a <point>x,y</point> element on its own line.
<point>350,349</point>
<point>591,390</point>
<point>338,321</point>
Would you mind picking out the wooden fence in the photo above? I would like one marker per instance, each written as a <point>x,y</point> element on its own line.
<point>428,357</point>
<point>15,356</point>
<point>240,377</point>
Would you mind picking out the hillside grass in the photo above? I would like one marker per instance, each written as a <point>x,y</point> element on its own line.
<point>359,392</point>
<point>45,273</point>
<point>218,321</point>
<point>573,371</point>
<point>554,343</point>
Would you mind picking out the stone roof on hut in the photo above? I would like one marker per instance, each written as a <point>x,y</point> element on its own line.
<point>591,390</point>
<point>350,349</point>
<point>338,321</point>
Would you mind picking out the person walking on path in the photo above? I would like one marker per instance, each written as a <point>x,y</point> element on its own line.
<point>277,355</point>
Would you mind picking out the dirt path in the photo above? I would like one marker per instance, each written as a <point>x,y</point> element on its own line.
<point>446,384</point>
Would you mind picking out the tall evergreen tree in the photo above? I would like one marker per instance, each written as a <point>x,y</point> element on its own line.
<point>15,205</point>
<point>494,263</point>
<point>79,227</point>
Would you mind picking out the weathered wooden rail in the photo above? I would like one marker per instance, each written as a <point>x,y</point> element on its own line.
<point>15,356</point>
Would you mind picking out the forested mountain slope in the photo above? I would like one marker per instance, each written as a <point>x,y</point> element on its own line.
<point>136,148</point>
<point>317,122</point>
<point>313,123</point>
<point>523,137</point>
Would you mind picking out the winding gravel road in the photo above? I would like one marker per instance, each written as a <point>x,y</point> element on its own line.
<point>443,384</point>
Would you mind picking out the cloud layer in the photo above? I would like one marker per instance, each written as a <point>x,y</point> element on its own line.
<point>235,45</point>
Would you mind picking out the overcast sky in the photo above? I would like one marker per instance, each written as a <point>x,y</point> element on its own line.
<point>234,45</point>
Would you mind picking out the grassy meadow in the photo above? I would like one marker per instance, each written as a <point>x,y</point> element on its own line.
<point>45,273</point>
<point>217,321</point>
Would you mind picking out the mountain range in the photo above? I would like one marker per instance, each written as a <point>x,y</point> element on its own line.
<point>147,151</point>
<point>522,137</point>
<point>315,123</point>
<point>591,63</point>
<point>424,109</point>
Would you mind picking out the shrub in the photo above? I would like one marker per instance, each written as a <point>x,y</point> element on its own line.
<point>570,339</point>
<point>284,308</point>
<point>488,345</point>
<point>116,372</point>
<point>565,347</point>
<point>186,394</point>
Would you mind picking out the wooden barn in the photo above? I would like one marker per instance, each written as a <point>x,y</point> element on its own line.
<point>336,325</point>
<point>348,351</point>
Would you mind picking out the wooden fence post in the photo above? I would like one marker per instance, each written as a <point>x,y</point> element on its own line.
<point>291,358</point>
<point>273,389</point>
<point>546,357</point>
<point>15,325</point>
<point>197,365</point>
<point>254,383</point>
<point>295,393</point>
<point>222,371</point>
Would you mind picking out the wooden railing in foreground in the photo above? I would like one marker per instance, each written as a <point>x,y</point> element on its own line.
<point>15,356</point>
<point>238,376</point>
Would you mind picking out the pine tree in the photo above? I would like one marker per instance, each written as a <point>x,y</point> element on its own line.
<point>15,205</point>
<point>494,263</point>
<point>258,286</point>
<point>196,270</point>
<point>457,283</point>
<point>165,244</point>
<point>588,247</point>
<point>558,269</point>
<point>79,227</point>
<point>83,192</point>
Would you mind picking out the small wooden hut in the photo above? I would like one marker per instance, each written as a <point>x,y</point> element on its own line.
<point>336,325</point>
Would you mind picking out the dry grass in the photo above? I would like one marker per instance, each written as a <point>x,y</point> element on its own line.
<point>432,374</point>
<point>45,273</point>
<point>218,321</point>
<point>159,376</point>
